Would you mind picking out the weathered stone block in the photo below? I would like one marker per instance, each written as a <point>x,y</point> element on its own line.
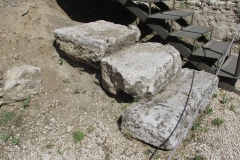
<point>140,70</point>
<point>153,121</point>
<point>20,83</point>
<point>89,43</point>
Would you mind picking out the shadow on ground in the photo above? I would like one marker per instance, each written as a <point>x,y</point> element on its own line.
<point>109,10</point>
<point>120,97</point>
<point>93,10</point>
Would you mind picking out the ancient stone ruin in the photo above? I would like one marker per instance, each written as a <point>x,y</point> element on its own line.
<point>151,71</point>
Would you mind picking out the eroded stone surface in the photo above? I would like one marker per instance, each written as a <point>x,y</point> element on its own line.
<point>20,83</point>
<point>89,43</point>
<point>140,70</point>
<point>153,121</point>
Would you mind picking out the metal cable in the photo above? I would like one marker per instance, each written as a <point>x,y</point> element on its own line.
<point>180,118</point>
<point>195,114</point>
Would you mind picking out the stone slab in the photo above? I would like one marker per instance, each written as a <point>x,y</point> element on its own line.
<point>141,70</point>
<point>89,43</point>
<point>154,120</point>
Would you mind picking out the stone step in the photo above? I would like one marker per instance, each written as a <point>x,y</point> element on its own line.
<point>89,43</point>
<point>171,15</point>
<point>148,70</point>
<point>141,70</point>
<point>154,120</point>
<point>193,32</point>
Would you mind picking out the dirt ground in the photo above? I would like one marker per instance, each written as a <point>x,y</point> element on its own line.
<point>44,129</point>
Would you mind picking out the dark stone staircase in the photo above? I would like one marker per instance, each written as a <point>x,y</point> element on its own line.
<point>207,57</point>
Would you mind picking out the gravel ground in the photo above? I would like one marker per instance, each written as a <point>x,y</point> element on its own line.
<point>211,141</point>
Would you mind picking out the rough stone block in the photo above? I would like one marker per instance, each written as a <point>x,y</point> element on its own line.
<point>153,121</point>
<point>140,70</point>
<point>20,83</point>
<point>89,43</point>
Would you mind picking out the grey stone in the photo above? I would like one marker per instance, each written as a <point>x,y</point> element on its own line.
<point>218,14</point>
<point>1,72</point>
<point>1,75</point>
<point>89,43</point>
<point>20,83</point>
<point>154,120</point>
<point>1,92</point>
<point>213,1</point>
<point>46,156</point>
<point>13,4</point>
<point>69,128</point>
<point>24,12</point>
<point>140,70</point>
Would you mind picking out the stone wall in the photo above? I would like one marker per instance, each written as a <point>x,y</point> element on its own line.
<point>223,15</point>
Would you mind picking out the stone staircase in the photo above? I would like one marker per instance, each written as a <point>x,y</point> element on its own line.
<point>150,71</point>
<point>207,57</point>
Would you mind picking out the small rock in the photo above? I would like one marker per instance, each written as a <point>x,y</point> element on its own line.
<point>1,92</point>
<point>1,75</point>
<point>52,119</point>
<point>96,81</point>
<point>46,157</point>
<point>69,128</point>
<point>24,12</point>
<point>1,71</point>
<point>21,82</point>
<point>13,4</point>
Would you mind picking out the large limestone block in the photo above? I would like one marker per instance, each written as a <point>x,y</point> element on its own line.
<point>89,43</point>
<point>153,121</point>
<point>20,83</point>
<point>140,70</point>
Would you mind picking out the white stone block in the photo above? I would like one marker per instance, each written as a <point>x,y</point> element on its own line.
<point>89,43</point>
<point>153,121</point>
<point>140,70</point>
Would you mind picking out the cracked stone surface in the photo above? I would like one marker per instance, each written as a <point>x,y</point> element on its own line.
<point>141,70</point>
<point>152,121</point>
<point>89,43</point>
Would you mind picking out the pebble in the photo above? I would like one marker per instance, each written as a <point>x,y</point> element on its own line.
<point>69,128</point>
<point>46,156</point>
<point>4,36</point>
<point>24,12</point>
